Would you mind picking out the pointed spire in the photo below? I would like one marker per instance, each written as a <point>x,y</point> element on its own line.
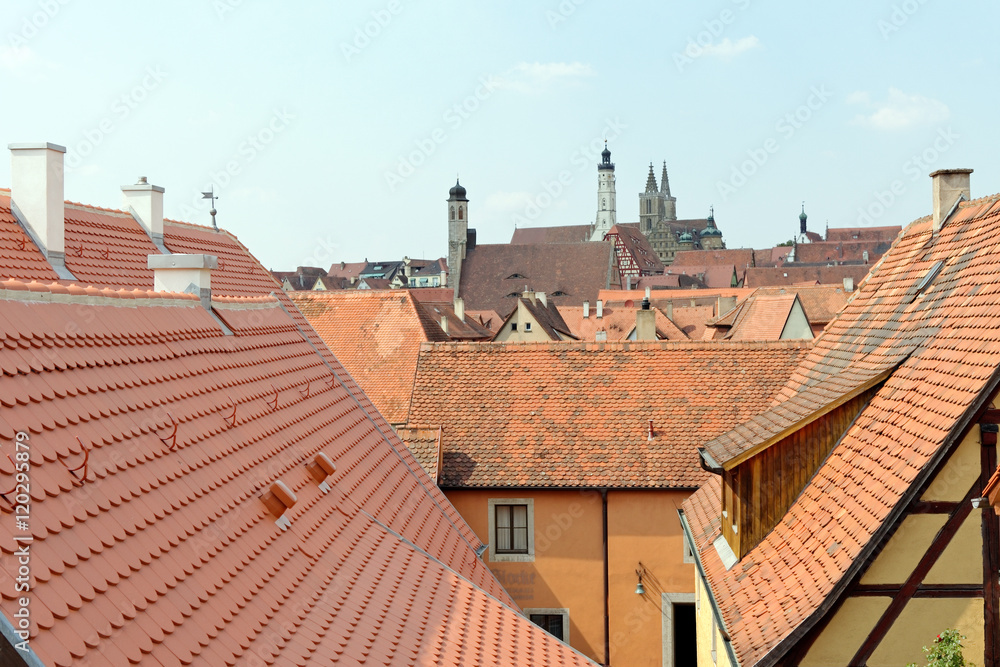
<point>664,181</point>
<point>802,219</point>
<point>651,181</point>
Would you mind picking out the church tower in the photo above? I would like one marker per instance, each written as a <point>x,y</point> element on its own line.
<point>458,233</point>
<point>651,208</point>
<point>605,196</point>
<point>669,202</point>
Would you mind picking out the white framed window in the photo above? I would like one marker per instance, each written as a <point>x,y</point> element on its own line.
<point>688,553</point>
<point>553,621</point>
<point>512,530</point>
<point>527,326</point>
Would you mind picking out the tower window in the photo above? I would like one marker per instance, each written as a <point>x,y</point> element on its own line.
<point>649,206</point>
<point>460,213</point>
<point>452,212</point>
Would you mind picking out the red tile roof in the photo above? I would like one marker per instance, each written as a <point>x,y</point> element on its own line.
<point>376,335</point>
<point>863,233</point>
<point>821,302</point>
<point>714,276</point>
<point>639,248</point>
<point>576,414</point>
<point>841,251</point>
<point>741,258</point>
<point>790,274</point>
<point>617,323</point>
<point>566,234</point>
<point>494,276</point>
<point>19,256</point>
<point>937,345</point>
<point>152,548</point>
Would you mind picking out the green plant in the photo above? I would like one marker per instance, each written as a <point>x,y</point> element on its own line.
<point>946,651</point>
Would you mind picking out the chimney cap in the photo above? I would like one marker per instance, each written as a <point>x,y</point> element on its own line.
<point>180,261</point>
<point>36,146</point>
<point>945,172</point>
<point>143,186</point>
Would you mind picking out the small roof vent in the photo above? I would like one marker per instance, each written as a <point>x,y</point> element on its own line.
<point>279,498</point>
<point>320,468</point>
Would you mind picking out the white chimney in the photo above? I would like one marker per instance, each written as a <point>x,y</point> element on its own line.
<point>145,203</point>
<point>444,323</point>
<point>600,309</point>
<point>848,284</point>
<point>586,310</point>
<point>601,336</point>
<point>188,274</point>
<point>460,309</point>
<point>36,193</point>
<point>541,297</point>
<point>949,185</point>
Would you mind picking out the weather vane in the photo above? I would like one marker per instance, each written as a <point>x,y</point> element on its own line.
<point>211,195</point>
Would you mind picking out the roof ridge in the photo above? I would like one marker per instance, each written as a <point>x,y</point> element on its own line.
<point>17,290</point>
<point>626,346</point>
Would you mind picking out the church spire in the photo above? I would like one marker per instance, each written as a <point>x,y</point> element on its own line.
<point>802,219</point>
<point>664,181</point>
<point>651,181</point>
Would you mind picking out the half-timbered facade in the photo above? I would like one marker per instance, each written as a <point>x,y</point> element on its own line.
<point>846,525</point>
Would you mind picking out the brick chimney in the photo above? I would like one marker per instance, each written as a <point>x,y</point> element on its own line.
<point>145,203</point>
<point>949,185</point>
<point>189,274</point>
<point>36,194</point>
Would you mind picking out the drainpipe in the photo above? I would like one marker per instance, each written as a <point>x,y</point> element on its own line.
<point>607,623</point>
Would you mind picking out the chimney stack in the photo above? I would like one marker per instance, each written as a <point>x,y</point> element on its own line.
<point>36,194</point>
<point>586,310</point>
<point>541,297</point>
<point>460,309</point>
<point>444,323</point>
<point>600,309</point>
<point>145,203</point>
<point>848,284</point>
<point>949,185</point>
<point>188,274</point>
<point>645,322</point>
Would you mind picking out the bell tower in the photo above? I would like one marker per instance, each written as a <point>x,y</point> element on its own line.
<point>458,233</point>
<point>605,196</point>
<point>650,204</point>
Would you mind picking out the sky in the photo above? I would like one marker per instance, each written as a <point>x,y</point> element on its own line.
<point>332,131</point>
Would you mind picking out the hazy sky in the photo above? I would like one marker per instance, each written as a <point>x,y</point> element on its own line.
<point>332,130</point>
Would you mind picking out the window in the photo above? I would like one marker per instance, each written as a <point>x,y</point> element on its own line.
<point>513,326</point>
<point>553,621</point>
<point>452,212</point>
<point>461,213</point>
<point>511,526</point>
<point>679,630</point>
<point>688,554</point>
<point>527,326</point>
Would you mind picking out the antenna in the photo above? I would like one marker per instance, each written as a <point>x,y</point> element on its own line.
<point>211,195</point>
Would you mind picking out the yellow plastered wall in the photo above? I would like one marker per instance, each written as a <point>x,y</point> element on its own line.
<point>643,526</point>
<point>961,563</point>
<point>960,473</point>
<point>707,629</point>
<point>845,633</point>
<point>920,623</point>
<point>905,549</point>
<point>567,572</point>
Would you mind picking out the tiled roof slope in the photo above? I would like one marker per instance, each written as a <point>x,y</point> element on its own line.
<point>714,276</point>
<point>940,349</point>
<point>576,414</point>
<point>577,271</point>
<point>863,233</point>
<point>241,275</point>
<point>376,335</point>
<point>763,318</point>
<point>741,258</point>
<point>790,274</point>
<point>821,302</point>
<point>638,246</point>
<point>20,259</point>
<point>617,322</point>
<point>151,545</point>
<point>565,234</point>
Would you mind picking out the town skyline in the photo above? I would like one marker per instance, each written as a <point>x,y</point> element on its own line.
<point>753,108</point>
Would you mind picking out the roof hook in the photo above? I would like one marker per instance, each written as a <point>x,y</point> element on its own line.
<point>85,466</point>
<point>171,440</point>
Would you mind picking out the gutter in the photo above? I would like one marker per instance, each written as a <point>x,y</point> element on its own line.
<point>726,641</point>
